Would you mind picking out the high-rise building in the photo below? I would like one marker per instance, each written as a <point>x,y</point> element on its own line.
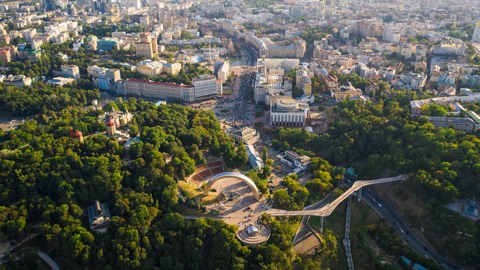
<point>48,5</point>
<point>322,10</point>
<point>476,33</point>
<point>147,46</point>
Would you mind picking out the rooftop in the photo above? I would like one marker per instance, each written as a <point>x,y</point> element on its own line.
<point>160,83</point>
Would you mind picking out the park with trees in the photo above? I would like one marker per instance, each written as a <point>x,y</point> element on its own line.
<point>49,179</point>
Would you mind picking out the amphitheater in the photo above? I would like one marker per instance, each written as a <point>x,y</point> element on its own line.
<point>241,202</point>
<point>203,173</point>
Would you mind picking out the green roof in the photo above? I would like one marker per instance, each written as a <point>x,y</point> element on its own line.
<point>473,116</point>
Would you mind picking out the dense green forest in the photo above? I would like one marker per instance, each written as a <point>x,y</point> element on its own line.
<point>42,98</point>
<point>382,138</point>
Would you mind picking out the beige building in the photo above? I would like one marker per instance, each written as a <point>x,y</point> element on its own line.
<point>150,68</point>
<point>303,82</point>
<point>147,46</point>
<point>331,81</point>
<point>172,69</point>
<point>222,71</point>
<point>286,111</point>
<point>476,33</point>
<point>347,91</point>
<point>7,53</point>
<point>159,90</point>
<point>243,134</point>
<point>71,71</point>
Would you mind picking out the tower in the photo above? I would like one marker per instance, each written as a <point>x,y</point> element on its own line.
<point>111,128</point>
<point>48,5</point>
<point>322,10</point>
<point>476,33</point>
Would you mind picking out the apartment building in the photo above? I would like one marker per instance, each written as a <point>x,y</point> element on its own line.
<point>151,89</point>
<point>147,46</point>
<point>206,86</point>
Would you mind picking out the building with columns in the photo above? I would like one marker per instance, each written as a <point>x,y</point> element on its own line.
<point>286,111</point>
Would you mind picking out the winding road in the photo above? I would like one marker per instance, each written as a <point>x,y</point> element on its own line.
<point>387,212</point>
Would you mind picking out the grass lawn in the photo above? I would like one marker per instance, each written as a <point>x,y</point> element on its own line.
<point>189,190</point>
<point>227,91</point>
<point>259,114</point>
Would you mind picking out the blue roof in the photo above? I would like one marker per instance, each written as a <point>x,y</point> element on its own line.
<point>405,260</point>
<point>419,267</point>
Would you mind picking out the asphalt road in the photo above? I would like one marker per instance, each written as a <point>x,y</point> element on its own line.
<point>385,211</point>
<point>243,110</point>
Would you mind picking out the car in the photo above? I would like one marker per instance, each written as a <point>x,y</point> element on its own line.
<point>379,204</point>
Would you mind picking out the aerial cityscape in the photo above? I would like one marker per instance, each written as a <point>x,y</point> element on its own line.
<point>245,134</point>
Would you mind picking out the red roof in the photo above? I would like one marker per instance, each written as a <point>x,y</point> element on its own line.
<point>75,134</point>
<point>110,122</point>
<point>161,83</point>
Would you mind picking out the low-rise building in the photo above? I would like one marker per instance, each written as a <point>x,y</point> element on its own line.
<point>106,44</point>
<point>150,68</point>
<point>459,124</point>
<point>99,217</point>
<point>296,161</point>
<point>253,159</point>
<point>243,134</point>
<point>286,111</point>
<point>347,91</point>
<point>71,71</point>
<point>17,80</point>
<point>60,81</point>
<point>172,68</point>
<point>27,54</point>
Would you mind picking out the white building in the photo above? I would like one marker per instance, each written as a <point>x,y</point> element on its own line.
<point>286,111</point>
<point>71,71</point>
<point>206,85</point>
<point>255,161</point>
<point>222,71</point>
<point>476,33</point>
<point>243,134</point>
